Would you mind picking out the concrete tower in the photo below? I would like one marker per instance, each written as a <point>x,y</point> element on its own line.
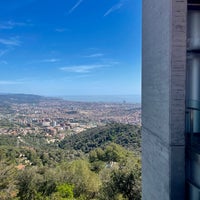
<point>171,100</point>
<point>163,99</point>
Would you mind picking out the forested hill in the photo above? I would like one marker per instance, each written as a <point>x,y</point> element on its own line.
<point>128,136</point>
<point>32,169</point>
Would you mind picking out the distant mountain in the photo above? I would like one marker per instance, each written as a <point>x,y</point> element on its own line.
<point>126,135</point>
<point>20,98</point>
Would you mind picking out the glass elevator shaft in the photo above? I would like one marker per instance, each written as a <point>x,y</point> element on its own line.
<point>193,102</point>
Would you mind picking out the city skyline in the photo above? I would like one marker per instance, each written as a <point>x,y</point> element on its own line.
<point>79,47</point>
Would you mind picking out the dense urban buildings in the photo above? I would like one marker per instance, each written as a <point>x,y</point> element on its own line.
<point>55,118</point>
<point>170,117</point>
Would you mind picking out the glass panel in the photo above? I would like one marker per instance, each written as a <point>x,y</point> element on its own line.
<point>193,40</point>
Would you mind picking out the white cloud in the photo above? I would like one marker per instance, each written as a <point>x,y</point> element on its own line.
<point>94,55</point>
<point>93,48</point>
<point>114,8</point>
<point>52,60</point>
<point>114,62</point>
<point>61,30</point>
<point>11,24</point>
<point>10,42</point>
<point>48,60</point>
<point>9,82</point>
<point>82,68</point>
<point>75,6</point>
<point>3,52</point>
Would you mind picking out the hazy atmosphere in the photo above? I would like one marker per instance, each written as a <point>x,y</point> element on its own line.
<point>73,47</point>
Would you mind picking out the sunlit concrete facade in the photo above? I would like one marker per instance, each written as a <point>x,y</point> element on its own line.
<point>163,99</point>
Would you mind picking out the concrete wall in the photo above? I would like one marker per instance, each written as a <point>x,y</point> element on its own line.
<point>163,99</point>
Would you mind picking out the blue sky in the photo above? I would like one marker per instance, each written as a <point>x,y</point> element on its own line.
<point>70,47</point>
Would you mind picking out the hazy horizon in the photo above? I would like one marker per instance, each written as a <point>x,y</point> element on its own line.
<point>116,98</point>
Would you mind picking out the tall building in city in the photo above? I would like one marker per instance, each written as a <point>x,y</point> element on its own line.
<point>171,100</point>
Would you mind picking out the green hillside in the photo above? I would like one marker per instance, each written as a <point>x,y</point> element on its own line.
<point>127,136</point>
<point>87,166</point>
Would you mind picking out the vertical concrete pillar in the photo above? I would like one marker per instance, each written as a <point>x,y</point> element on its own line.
<point>163,99</point>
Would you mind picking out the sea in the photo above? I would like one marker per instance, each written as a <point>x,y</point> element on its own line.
<point>104,98</point>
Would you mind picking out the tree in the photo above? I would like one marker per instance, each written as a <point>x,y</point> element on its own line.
<point>63,192</point>
<point>28,182</point>
<point>124,182</point>
<point>127,184</point>
<point>8,188</point>
<point>78,173</point>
